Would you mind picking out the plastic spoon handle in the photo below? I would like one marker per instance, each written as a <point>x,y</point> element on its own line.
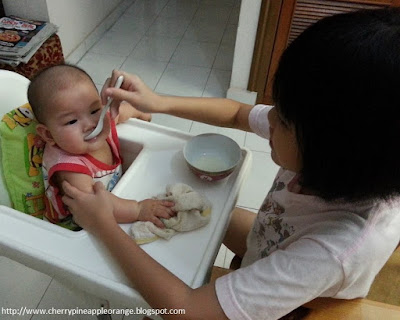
<point>99,126</point>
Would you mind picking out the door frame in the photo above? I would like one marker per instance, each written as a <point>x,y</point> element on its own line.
<point>271,40</point>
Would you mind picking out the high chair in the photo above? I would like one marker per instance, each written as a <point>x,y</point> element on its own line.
<point>13,93</point>
<point>152,159</point>
<point>13,90</point>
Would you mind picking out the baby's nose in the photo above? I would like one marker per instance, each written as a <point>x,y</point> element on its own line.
<point>90,124</point>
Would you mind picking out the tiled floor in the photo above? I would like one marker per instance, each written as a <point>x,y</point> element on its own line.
<point>179,47</point>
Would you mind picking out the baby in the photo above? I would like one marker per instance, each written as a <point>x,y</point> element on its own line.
<point>67,106</point>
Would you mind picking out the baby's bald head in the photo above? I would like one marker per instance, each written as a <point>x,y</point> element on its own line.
<point>45,86</point>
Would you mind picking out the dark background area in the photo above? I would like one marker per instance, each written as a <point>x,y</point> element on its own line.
<point>1,9</point>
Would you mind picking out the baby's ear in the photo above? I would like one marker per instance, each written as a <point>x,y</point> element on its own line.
<point>45,134</point>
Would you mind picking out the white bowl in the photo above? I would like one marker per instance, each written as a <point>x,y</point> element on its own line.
<point>212,156</point>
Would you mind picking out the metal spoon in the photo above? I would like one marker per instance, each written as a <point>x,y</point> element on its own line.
<point>99,126</point>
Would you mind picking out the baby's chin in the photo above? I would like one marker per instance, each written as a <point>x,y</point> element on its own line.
<point>102,136</point>
<point>96,142</point>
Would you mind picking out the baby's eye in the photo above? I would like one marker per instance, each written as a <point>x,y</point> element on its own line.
<point>95,111</point>
<point>71,122</point>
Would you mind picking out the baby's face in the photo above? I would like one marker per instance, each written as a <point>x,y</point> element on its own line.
<point>74,114</point>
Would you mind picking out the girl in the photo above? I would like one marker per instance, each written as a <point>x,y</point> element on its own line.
<point>331,219</point>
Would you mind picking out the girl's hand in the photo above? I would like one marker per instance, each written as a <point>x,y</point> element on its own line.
<point>152,210</point>
<point>133,90</point>
<point>91,211</point>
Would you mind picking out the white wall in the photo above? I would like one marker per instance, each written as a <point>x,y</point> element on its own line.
<point>76,19</point>
<point>30,9</point>
<point>244,48</point>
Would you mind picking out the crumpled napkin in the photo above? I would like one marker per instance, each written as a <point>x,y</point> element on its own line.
<point>193,212</point>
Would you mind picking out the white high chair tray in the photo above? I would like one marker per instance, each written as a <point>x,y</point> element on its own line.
<point>79,260</point>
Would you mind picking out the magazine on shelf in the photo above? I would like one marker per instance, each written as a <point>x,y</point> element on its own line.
<point>15,61</point>
<point>18,36</point>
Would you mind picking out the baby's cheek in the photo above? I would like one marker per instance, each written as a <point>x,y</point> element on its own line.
<point>107,126</point>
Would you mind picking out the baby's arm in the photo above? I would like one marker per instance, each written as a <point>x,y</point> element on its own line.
<point>81,181</point>
<point>125,211</point>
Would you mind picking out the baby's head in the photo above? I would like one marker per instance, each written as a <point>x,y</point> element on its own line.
<point>67,105</point>
<point>337,85</point>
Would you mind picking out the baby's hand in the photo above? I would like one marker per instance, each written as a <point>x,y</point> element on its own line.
<point>127,111</point>
<point>136,114</point>
<point>153,210</point>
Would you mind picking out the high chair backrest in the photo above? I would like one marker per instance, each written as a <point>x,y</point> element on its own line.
<point>13,93</point>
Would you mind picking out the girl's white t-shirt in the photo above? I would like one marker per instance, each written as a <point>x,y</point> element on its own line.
<point>302,247</point>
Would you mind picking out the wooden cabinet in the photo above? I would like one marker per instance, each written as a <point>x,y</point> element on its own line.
<point>280,22</point>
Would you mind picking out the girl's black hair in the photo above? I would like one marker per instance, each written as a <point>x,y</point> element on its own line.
<point>338,84</point>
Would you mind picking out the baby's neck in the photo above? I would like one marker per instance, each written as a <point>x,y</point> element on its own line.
<point>104,154</point>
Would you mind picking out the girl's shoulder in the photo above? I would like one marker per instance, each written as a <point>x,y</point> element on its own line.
<point>258,120</point>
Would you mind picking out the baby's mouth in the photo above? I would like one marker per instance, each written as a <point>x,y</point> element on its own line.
<point>90,140</point>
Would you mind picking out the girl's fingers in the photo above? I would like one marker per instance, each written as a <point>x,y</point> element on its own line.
<point>69,189</point>
<point>103,94</point>
<point>72,192</point>
<point>66,200</point>
<point>99,186</point>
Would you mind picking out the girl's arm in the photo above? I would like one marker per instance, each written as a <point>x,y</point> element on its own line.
<point>159,287</point>
<point>215,111</point>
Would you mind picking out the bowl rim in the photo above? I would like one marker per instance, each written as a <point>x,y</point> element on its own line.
<point>213,134</point>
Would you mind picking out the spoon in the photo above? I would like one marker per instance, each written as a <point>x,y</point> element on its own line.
<point>99,126</point>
